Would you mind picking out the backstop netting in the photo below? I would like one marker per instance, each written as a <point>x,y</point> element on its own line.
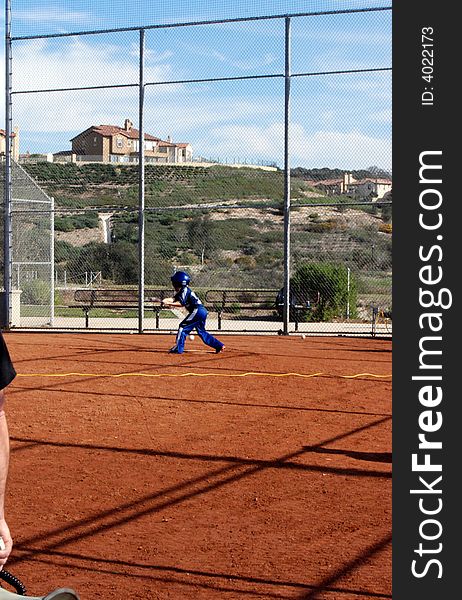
<point>32,251</point>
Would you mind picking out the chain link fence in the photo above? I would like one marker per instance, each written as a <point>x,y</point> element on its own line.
<point>87,215</point>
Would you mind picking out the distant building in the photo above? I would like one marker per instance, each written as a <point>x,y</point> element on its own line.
<point>372,188</point>
<point>331,187</point>
<point>14,144</point>
<point>110,143</point>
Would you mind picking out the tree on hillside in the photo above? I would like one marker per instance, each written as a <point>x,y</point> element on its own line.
<point>201,238</point>
<point>117,262</point>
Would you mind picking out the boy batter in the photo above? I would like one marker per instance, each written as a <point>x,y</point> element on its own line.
<point>185,297</point>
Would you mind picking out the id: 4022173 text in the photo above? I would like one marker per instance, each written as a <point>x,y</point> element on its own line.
<point>427,65</point>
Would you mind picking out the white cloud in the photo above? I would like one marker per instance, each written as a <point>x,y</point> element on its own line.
<point>217,121</point>
<point>181,115</point>
<point>190,112</point>
<point>39,64</point>
<point>150,55</point>
<point>51,15</point>
<point>349,149</point>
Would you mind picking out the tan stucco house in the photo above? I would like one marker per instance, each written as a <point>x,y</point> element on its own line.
<point>110,143</point>
<point>373,188</point>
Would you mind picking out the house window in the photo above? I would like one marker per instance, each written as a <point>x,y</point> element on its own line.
<point>119,142</point>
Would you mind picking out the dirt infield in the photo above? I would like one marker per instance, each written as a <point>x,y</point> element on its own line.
<point>260,473</point>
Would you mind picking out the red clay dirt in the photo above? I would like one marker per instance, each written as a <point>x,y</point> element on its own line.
<point>202,475</point>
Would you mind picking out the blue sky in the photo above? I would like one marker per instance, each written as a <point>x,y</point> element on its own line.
<point>336,121</point>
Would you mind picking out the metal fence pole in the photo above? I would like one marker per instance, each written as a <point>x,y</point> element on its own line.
<point>52,261</point>
<point>141,188</point>
<point>286,310</point>
<point>5,312</point>
<point>348,294</point>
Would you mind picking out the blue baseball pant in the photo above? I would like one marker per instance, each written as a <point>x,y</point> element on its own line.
<point>195,320</point>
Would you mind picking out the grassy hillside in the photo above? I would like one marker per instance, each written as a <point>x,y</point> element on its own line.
<point>98,185</point>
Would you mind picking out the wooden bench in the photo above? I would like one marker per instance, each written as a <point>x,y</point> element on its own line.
<point>89,299</point>
<point>235,301</point>
<point>219,301</point>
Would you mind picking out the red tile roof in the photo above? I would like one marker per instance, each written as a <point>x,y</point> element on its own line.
<point>328,182</point>
<point>110,130</point>
<point>370,180</point>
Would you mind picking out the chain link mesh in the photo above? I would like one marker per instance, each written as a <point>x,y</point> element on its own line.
<point>217,212</point>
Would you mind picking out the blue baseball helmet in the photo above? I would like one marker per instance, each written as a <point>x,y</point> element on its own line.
<point>180,278</point>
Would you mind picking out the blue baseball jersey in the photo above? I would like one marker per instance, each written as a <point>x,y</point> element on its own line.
<point>188,299</point>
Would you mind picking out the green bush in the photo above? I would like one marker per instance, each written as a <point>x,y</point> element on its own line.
<point>72,222</point>
<point>246,262</point>
<point>63,224</point>
<point>187,258</point>
<point>330,283</point>
<point>157,270</point>
<point>63,251</point>
<point>317,226</point>
<point>35,292</point>
<point>386,212</point>
<point>59,298</point>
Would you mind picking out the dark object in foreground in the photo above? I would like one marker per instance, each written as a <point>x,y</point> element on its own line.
<point>58,594</point>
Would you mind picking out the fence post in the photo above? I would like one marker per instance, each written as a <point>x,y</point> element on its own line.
<point>52,261</point>
<point>286,307</point>
<point>5,309</point>
<point>141,188</point>
<point>348,293</point>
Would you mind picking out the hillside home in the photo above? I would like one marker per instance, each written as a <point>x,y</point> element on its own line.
<point>331,187</point>
<point>14,144</point>
<point>371,188</point>
<point>110,143</point>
